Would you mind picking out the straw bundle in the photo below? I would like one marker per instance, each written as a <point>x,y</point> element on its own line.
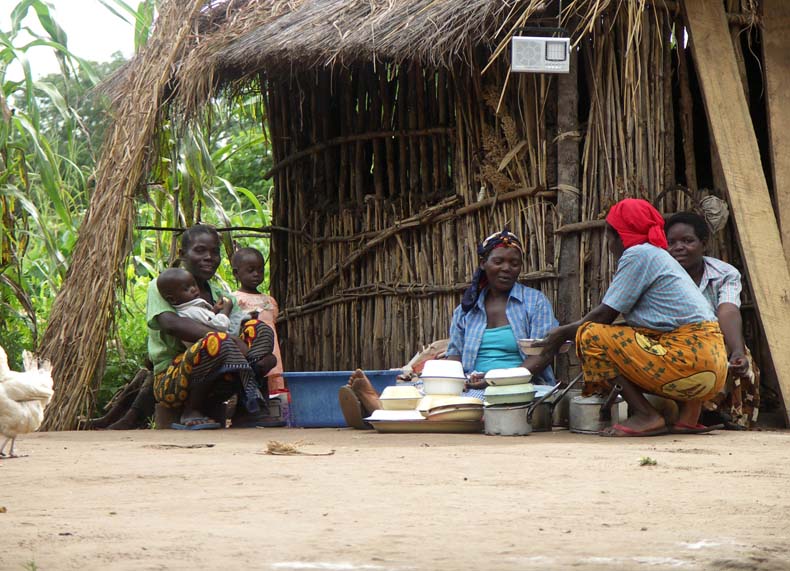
<point>80,318</point>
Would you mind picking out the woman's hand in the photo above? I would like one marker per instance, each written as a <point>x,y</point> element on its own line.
<point>555,338</point>
<point>739,364</point>
<point>476,381</point>
<point>241,344</point>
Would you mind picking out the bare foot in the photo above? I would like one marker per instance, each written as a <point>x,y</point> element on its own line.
<point>637,425</point>
<point>128,421</point>
<point>364,390</point>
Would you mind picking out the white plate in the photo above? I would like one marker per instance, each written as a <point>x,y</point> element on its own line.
<point>511,376</point>
<point>501,382</point>
<point>394,415</point>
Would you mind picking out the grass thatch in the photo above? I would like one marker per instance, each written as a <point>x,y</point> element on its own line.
<point>281,37</point>
<point>76,337</point>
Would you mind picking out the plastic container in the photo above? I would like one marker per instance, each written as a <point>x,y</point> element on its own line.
<point>400,398</point>
<point>510,394</point>
<point>314,401</point>
<point>442,385</point>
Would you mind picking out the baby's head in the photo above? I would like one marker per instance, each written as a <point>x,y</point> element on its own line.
<point>177,286</point>
<point>248,264</point>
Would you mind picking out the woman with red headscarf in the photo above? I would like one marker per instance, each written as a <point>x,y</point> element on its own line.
<point>671,344</point>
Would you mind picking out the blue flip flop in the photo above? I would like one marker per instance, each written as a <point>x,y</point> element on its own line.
<point>203,423</point>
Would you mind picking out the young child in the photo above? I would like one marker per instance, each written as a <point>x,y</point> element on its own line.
<point>247,264</point>
<point>180,290</point>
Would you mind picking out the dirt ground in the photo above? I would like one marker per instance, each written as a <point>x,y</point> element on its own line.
<point>211,500</point>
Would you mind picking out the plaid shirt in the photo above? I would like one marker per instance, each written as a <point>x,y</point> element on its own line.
<point>528,311</point>
<point>651,289</point>
<point>721,283</point>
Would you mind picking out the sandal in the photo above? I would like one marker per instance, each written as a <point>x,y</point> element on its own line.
<point>625,432</point>
<point>683,428</point>
<point>200,423</point>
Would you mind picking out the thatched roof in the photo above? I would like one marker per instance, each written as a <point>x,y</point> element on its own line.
<point>316,33</point>
<point>245,37</point>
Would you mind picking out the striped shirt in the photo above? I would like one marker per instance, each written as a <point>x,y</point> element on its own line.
<point>721,283</point>
<point>651,289</point>
<point>528,311</point>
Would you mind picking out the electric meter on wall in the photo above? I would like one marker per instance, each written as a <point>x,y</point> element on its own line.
<point>540,55</point>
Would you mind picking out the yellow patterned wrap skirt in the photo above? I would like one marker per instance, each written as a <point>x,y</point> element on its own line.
<point>689,363</point>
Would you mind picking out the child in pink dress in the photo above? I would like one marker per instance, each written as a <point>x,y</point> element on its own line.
<point>247,264</point>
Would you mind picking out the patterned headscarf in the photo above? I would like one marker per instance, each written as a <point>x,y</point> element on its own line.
<point>637,222</point>
<point>503,239</point>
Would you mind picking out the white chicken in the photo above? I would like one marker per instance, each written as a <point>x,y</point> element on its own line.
<point>23,398</point>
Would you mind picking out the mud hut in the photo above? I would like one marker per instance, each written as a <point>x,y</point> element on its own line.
<point>400,138</point>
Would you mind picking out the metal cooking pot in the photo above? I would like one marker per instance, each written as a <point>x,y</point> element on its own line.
<point>562,410</point>
<point>590,415</point>
<point>504,420</point>
<point>540,414</point>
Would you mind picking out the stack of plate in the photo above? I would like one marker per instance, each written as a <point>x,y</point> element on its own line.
<point>509,386</point>
<point>439,408</point>
<point>443,377</point>
<point>440,417</point>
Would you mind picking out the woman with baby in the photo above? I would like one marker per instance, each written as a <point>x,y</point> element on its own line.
<point>199,359</point>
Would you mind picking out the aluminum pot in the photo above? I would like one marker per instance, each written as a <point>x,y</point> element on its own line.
<point>504,420</point>
<point>562,410</point>
<point>541,417</point>
<point>541,412</point>
<point>586,413</point>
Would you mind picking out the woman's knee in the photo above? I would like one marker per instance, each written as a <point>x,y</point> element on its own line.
<point>588,334</point>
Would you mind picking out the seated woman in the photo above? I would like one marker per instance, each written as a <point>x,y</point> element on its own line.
<point>671,346</point>
<point>738,405</point>
<point>216,365</point>
<point>494,313</point>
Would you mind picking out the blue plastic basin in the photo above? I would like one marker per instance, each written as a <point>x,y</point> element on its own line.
<point>314,395</point>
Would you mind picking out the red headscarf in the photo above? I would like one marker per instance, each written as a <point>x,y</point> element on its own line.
<point>637,222</point>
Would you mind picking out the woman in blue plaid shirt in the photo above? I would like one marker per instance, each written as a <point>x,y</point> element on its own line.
<point>739,403</point>
<point>496,311</point>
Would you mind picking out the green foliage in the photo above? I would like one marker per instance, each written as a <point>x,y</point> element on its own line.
<point>42,190</point>
<point>51,130</point>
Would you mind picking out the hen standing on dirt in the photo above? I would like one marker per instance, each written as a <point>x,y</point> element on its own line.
<point>23,398</point>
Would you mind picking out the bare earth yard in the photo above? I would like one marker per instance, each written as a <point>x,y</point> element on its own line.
<point>145,500</point>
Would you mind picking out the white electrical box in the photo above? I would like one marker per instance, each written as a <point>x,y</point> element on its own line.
<point>540,55</point>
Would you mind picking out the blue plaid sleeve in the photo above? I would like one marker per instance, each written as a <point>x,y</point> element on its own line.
<point>730,288</point>
<point>541,318</point>
<point>455,347</point>
<point>630,281</point>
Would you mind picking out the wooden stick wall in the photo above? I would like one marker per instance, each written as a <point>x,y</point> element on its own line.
<point>388,176</point>
<point>393,174</point>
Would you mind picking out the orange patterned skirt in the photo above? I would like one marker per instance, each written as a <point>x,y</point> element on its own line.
<point>689,363</point>
<point>217,357</point>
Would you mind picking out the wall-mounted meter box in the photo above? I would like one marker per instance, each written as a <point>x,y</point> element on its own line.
<point>540,55</point>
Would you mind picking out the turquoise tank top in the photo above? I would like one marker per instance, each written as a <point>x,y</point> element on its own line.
<point>498,350</point>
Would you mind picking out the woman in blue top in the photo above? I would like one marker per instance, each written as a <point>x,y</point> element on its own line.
<point>496,311</point>
<point>671,344</point>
